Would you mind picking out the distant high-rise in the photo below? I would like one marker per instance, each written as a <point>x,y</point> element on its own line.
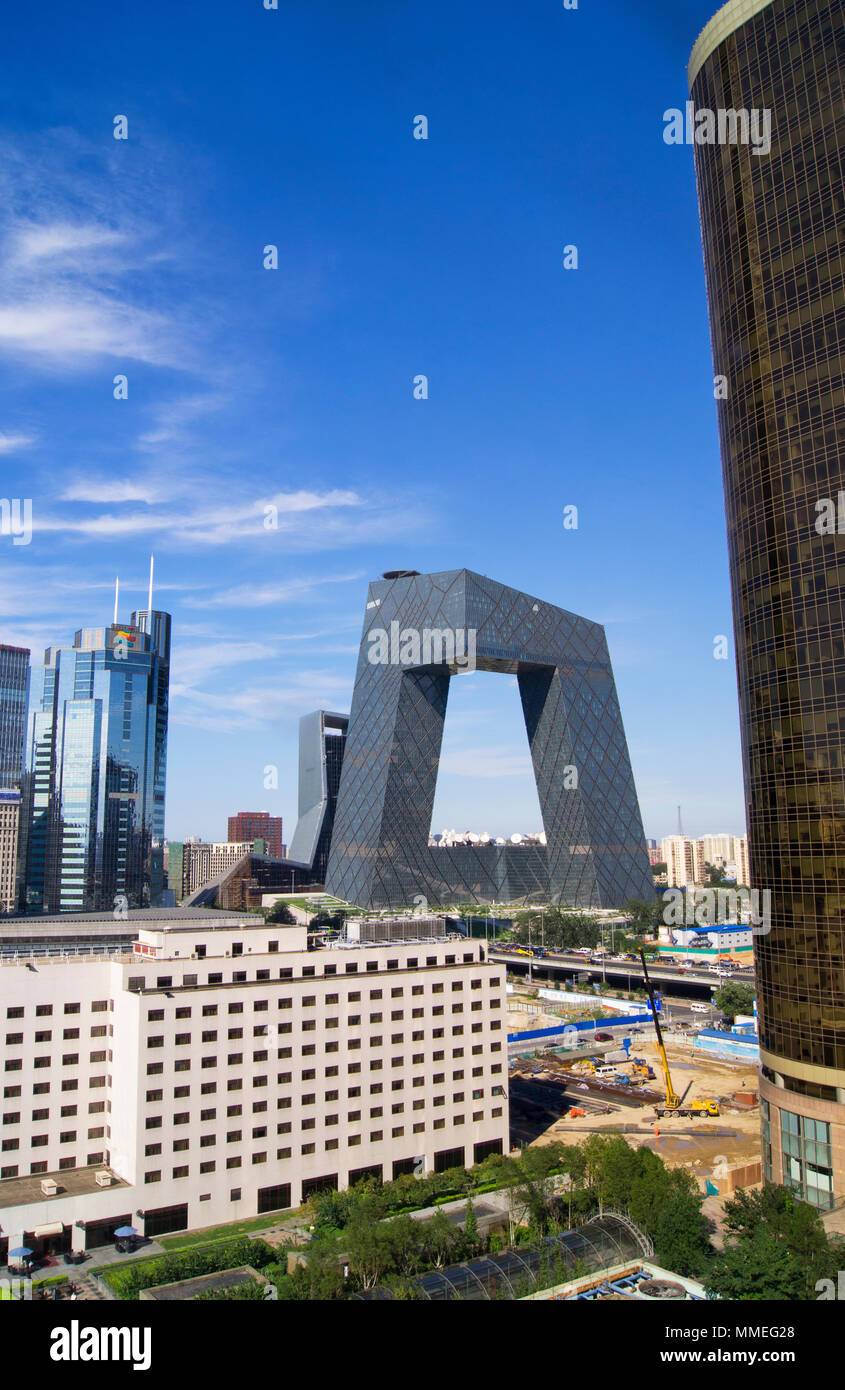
<point>14,680</point>
<point>94,770</point>
<point>322,741</point>
<point>772,215</point>
<point>10,806</point>
<point>258,825</point>
<point>684,861</point>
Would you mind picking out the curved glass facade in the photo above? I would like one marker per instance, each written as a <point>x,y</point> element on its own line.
<point>773,226</point>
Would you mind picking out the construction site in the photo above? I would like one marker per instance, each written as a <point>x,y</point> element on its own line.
<point>694,1109</point>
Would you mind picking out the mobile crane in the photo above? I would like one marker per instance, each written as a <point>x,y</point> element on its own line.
<point>674,1104</point>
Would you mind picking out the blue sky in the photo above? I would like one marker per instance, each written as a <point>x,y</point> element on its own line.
<point>547,387</point>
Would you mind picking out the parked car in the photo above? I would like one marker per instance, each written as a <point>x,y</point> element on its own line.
<point>604,1037</point>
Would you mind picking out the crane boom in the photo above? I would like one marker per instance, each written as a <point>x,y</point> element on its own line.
<point>673,1100</point>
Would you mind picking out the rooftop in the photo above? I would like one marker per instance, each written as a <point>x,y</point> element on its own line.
<point>725,22</point>
<point>70,1182</point>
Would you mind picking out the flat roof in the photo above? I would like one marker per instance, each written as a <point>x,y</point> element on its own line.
<point>71,1182</point>
<point>93,923</point>
<point>725,21</point>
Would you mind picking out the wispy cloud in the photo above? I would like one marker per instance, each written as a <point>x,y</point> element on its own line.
<point>261,704</point>
<point>263,595</point>
<point>111,490</point>
<point>68,298</point>
<point>13,443</point>
<point>215,523</point>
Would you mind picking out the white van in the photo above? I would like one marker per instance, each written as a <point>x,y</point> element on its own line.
<point>606,1071</point>
<point>700,1008</point>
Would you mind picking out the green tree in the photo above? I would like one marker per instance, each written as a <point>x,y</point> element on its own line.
<point>779,1244</point>
<point>645,917</point>
<point>281,913</point>
<point>681,1242</point>
<point>734,998</point>
<point>471,1236</point>
<point>368,1244</point>
<point>440,1241</point>
<point>757,1269</point>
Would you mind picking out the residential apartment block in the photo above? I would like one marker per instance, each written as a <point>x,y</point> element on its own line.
<point>258,825</point>
<point>223,1069</point>
<point>684,860</point>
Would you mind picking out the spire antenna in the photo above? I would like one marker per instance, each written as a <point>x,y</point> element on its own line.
<point>116,593</point>
<point>150,602</point>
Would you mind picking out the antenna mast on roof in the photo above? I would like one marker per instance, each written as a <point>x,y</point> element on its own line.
<point>680,823</point>
<point>150,602</point>
<point>116,592</point>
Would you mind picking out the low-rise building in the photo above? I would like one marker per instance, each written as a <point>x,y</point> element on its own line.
<point>222,1069</point>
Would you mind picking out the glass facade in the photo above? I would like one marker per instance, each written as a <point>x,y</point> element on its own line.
<point>95,763</point>
<point>14,680</point>
<point>772,228</point>
<point>322,742</point>
<point>594,854</point>
<point>807,1166</point>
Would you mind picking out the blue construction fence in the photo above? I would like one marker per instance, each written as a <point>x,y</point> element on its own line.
<point>589,1025</point>
<point>741,1046</point>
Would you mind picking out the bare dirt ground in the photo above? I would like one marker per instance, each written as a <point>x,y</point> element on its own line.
<point>701,1145</point>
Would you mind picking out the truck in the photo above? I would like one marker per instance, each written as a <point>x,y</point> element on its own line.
<point>674,1104</point>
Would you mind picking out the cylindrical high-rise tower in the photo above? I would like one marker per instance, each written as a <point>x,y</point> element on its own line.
<point>773,222</point>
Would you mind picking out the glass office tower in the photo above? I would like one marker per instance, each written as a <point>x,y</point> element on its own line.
<point>773,226</point>
<point>322,741</point>
<point>94,780</point>
<point>14,679</point>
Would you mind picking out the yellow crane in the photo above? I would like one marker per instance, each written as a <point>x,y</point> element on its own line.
<point>674,1104</point>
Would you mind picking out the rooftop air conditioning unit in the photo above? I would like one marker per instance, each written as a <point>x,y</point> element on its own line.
<point>103,1178</point>
<point>49,1187</point>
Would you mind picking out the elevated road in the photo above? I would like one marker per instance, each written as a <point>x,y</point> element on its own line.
<point>692,983</point>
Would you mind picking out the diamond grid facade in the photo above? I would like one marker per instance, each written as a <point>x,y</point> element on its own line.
<point>595,852</point>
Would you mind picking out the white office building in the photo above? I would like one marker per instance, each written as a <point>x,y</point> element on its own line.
<point>222,1069</point>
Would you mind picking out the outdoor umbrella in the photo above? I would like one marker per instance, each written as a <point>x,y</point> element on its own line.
<point>20,1252</point>
<point>124,1231</point>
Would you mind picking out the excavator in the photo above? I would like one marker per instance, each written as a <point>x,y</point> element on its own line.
<point>674,1104</point>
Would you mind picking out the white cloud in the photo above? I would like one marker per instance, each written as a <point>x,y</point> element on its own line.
<point>263,703</point>
<point>220,522</point>
<point>65,327</point>
<point>59,241</point>
<point>263,595</point>
<point>111,490</point>
<point>12,443</point>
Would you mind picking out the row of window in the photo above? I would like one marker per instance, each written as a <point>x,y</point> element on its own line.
<point>352,1045</point>
<point>309,1001</point>
<point>139,982</point>
<point>98,1006</point>
<point>309,1025</point>
<point>352,1141</point>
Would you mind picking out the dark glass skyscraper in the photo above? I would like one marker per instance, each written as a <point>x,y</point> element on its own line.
<point>773,226</point>
<point>94,781</point>
<point>420,630</point>
<point>14,680</point>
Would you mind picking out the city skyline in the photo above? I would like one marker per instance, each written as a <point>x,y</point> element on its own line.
<point>251,389</point>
